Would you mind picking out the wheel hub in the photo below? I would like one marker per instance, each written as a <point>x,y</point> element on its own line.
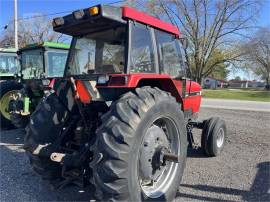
<point>220,137</point>
<point>151,160</point>
<point>4,103</point>
<point>158,157</point>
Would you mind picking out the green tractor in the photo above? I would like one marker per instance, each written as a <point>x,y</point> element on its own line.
<point>39,65</point>
<point>9,67</point>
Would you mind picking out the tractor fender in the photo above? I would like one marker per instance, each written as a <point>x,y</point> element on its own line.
<point>121,83</point>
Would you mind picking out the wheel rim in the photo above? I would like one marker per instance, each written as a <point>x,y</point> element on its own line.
<point>220,137</point>
<point>4,102</point>
<point>156,176</point>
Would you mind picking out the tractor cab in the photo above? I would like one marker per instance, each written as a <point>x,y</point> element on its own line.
<point>9,64</point>
<point>113,40</point>
<point>43,60</point>
<point>120,48</point>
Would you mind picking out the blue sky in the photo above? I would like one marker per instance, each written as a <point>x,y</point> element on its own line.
<point>27,8</point>
<point>30,7</point>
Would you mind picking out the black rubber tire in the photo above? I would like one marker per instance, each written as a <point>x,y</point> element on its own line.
<point>18,120</point>
<point>119,139</point>
<point>45,125</point>
<point>6,86</point>
<point>209,136</point>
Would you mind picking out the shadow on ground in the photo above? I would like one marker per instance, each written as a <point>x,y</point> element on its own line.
<point>259,191</point>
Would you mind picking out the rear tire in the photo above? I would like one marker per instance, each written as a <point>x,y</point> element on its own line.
<point>7,88</point>
<point>45,124</point>
<point>118,149</point>
<point>213,136</point>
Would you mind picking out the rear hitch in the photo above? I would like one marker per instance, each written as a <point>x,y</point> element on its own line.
<point>190,126</point>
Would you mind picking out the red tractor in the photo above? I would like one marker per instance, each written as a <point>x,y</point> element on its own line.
<point>122,117</point>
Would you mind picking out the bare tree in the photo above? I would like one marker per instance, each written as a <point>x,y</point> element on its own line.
<point>208,25</point>
<point>257,54</point>
<point>35,29</point>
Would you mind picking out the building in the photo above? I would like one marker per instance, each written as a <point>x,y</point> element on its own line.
<point>212,83</point>
<point>246,84</point>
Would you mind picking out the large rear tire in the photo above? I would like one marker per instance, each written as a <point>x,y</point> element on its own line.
<point>45,124</point>
<point>133,133</point>
<point>7,89</point>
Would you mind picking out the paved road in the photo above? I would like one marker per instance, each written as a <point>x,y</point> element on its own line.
<point>241,173</point>
<point>236,105</point>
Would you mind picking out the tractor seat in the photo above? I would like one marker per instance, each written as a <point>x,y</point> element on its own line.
<point>108,69</point>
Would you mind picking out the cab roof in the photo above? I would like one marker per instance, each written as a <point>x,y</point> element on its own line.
<point>47,44</point>
<point>109,16</point>
<point>142,17</point>
<point>8,50</point>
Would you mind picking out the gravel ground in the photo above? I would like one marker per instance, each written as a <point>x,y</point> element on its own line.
<point>241,173</point>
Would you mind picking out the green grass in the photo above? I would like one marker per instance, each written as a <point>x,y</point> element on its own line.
<point>237,94</point>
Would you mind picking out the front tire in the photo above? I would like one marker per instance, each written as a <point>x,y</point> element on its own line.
<point>7,89</point>
<point>213,136</point>
<point>138,126</point>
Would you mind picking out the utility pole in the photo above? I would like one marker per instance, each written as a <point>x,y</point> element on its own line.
<point>15,25</point>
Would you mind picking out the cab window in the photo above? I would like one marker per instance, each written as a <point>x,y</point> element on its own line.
<point>8,63</point>
<point>32,63</point>
<point>56,63</point>
<point>170,58</point>
<point>142,51</point>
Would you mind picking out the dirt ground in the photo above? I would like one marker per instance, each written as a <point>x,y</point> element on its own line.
<point>241,173</point>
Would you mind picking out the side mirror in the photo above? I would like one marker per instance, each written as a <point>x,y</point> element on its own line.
<point>184,42</point>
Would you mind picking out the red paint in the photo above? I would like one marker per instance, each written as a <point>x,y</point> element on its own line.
<point>83,92</point>
<point>192,102</point>
<point>133,14</point>
<point>51,84</point>
<point>193,86</point>
<point>168,84</point>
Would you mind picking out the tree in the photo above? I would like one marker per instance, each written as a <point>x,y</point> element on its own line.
<point>208,25</point>
<point>217,69</point>
<point>257,54</point>
<point>35,29</point>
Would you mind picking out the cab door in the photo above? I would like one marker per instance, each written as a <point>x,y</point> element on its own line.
<point>170,59</point>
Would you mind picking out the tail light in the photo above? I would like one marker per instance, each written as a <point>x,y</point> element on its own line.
<point>93,10</point>
<point>83,92</point>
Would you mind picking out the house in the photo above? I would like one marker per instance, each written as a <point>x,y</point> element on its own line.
<point>212,83</point>
<point>238,84</point>
<point>246,84</point>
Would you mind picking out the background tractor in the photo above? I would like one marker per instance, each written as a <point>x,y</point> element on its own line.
<point>122,117</point>
<point>39,64</point>
<point>9,67</point>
